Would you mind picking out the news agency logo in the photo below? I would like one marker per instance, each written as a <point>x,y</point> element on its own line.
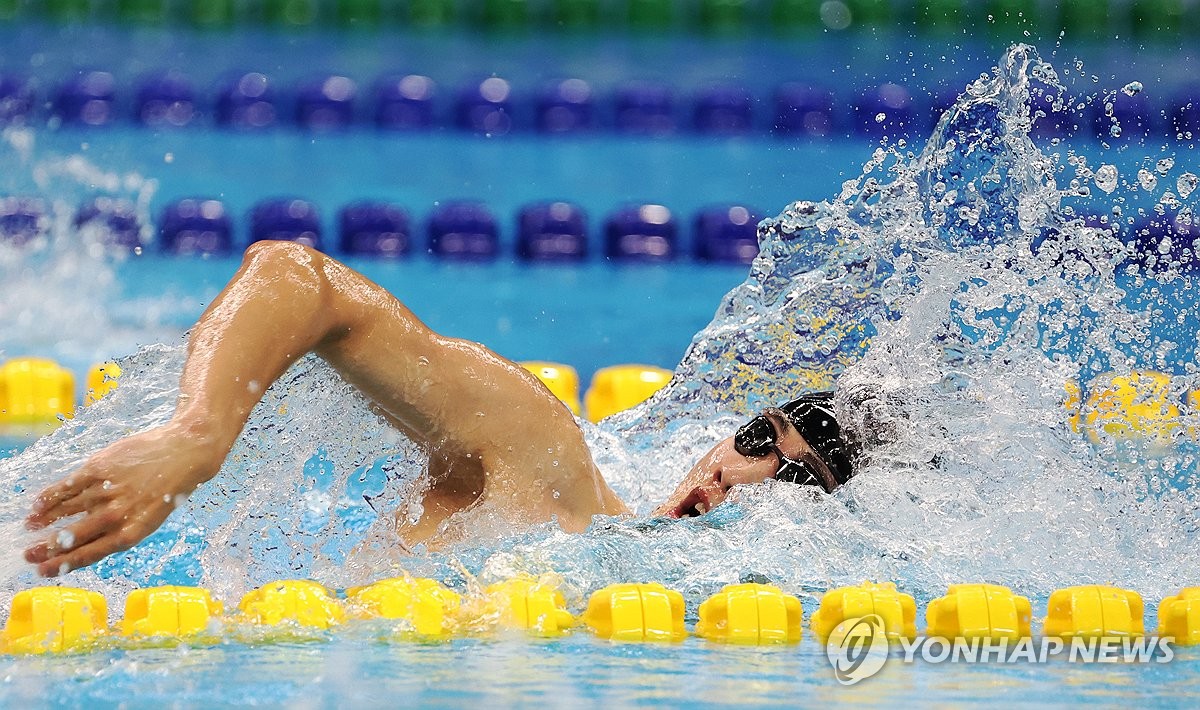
<point>858,649</point>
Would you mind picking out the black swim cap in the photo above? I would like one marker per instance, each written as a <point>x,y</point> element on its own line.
<point>812,415</point>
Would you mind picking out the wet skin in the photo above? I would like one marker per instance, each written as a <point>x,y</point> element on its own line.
<point>708,483</point>
<point>520,454</point>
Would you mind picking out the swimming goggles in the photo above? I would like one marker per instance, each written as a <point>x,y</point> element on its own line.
<point>757,437</point>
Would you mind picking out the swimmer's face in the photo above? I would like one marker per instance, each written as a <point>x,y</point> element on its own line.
<point>707,484</point>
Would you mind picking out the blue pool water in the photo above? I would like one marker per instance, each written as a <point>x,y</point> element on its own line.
<point>1029,506</point>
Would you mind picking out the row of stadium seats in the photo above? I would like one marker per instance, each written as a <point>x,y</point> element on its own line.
<point>1088,17</point>
<point>37,392</point>
<point>492,106</point>
<point>546,232</point>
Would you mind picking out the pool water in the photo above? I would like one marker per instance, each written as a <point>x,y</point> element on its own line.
<point>576,671</point>
<point>920,531</point>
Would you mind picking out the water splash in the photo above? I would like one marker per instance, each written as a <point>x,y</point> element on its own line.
<point>950,293</point>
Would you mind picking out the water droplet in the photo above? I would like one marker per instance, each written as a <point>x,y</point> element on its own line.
<point>880,117</point>
<point>1147,180</point>
<point>64,540</point>
<point>1132,88</point>
<point>1106,178</point>
<point>1186,184</point>
<point>1164,166</point>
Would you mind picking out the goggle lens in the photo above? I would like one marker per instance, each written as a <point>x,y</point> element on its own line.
<point>755,438</point>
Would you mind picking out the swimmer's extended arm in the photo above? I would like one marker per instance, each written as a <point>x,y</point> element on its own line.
<point>452,396</point>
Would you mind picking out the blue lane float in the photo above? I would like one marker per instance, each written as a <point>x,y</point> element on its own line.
<point>86,99</point>
<point>404,102</point>
<point>552,232</point>
<point>641,233</point>
<point>491,105</point>
<point>463,231</point>
<point>566,106</point>
<point>287,219</point>
<point>375,229</point>
<point>196,227</point>
<point>247,102</point>
<point>165,100</point>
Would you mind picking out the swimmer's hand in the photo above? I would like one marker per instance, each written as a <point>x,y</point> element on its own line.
<point>125,491</point>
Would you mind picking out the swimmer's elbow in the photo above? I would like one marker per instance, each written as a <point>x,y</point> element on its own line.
<point>280,254</point>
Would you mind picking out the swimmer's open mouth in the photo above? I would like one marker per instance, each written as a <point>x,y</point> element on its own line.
<point>693,506</point>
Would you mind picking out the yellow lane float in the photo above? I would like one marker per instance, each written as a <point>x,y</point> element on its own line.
<point>1133,406</point>
<point>101,380</point>
<point>53,619</point>
<point>620,387</point>
<point>298,601</point>
<point>169,611</point>
<point>531,604</point>
<point>423,604</point>
<point>561,380</point>
<point>1072,402</point>
<point>979,611</point>
<point>35,391</point>
<point>750,614</point>
<point>897,611</point>
<point>1179,616</point>
<point>1094,611</point>
<point>636,612</point>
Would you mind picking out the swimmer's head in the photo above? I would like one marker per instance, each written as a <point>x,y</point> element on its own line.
<point>800,442</point>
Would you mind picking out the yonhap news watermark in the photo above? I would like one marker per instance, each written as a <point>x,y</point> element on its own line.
<point>859,648</point>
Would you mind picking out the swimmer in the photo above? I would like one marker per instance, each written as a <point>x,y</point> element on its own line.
<point>494,434</point>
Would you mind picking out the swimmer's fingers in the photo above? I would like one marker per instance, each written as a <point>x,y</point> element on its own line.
<point>98,534</point>
<point>75,494</point>
<point>79,557</point>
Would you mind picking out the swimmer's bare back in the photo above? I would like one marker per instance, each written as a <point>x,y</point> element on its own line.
<point>495,434</point>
